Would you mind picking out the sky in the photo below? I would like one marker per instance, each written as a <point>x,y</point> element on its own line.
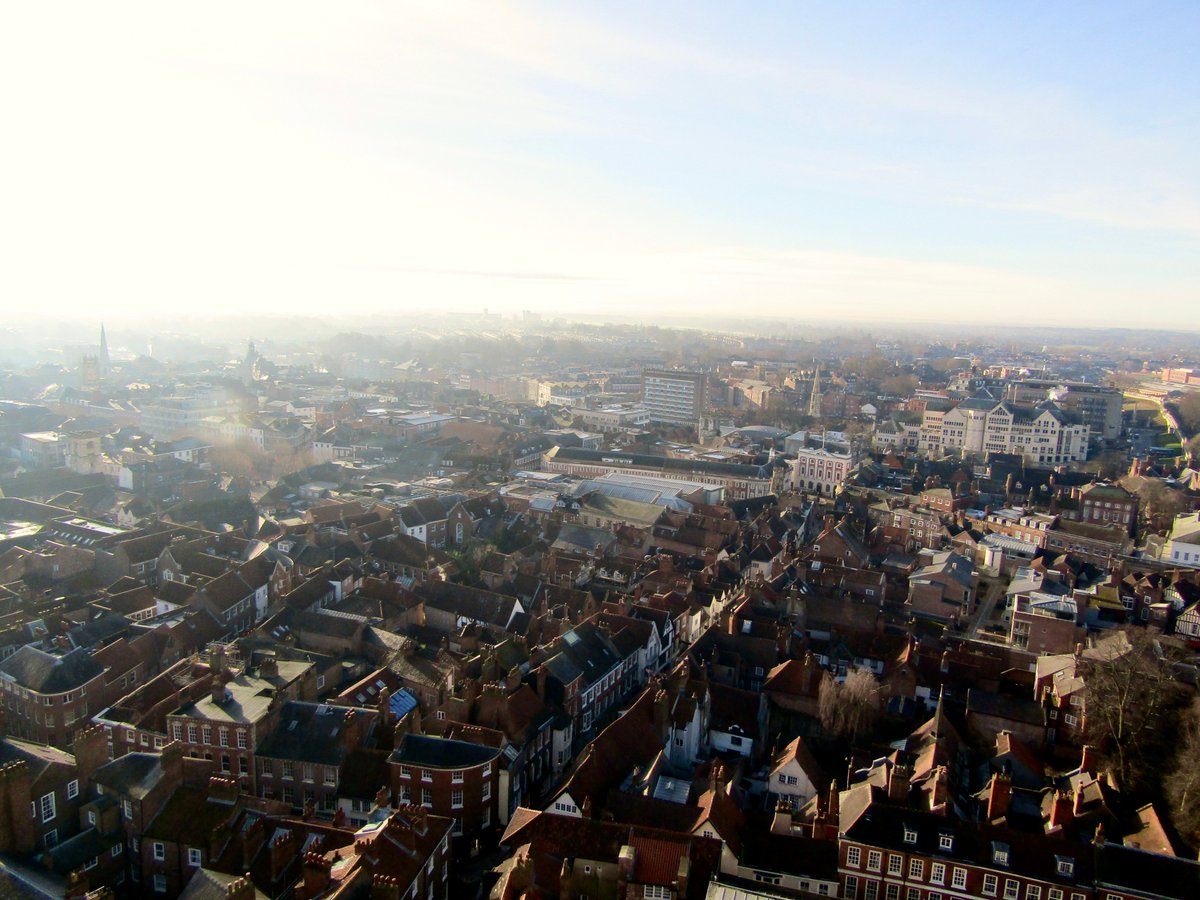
<point>947,162</point>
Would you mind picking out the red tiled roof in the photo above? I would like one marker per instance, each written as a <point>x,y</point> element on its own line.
<point>656,861</point>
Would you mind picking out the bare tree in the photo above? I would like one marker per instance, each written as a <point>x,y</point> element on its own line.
<point>1188,412</point>
<point>1131,695</point>
<point>1192,448</point>
<point>1163,504</point>
<point>1183,784</point>
<point>899,385</point>
<point>849,710</point>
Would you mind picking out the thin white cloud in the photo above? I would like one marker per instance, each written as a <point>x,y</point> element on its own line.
<point>308,154</point>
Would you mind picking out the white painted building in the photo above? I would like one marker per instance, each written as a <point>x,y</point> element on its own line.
<point>821,465</point>
<point>1182,546</point>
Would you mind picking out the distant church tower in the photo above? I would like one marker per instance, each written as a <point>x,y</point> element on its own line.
<point>249,365</point>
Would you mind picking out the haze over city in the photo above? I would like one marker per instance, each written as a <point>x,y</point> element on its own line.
<point>876,162</point>
<point>617,450</point>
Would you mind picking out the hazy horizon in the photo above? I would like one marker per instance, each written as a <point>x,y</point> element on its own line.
<point>873,163</point>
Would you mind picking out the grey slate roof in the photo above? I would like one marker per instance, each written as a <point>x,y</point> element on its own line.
<point>441,753</point>
<point>133,774</point>
<point>47,673</point>
<point>311,733</point>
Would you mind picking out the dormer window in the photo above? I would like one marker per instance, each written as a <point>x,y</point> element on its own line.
<point>1065,866</point>
<point>999,853</point>
<point>910,835</point>
<point>945,841</point>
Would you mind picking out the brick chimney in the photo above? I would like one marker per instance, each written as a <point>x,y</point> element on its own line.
<point>316,874</point>
<point>383,798</point>
<point>999,795</point>
<point>898,781</point>
<point>91,752</point>
<point>17,834</point>
<point>716,777</point>
<point>171,760</point>
<point>662,711</point>
<point>385,887</point>
<point>512,680</point>
<point>252,840</point>
<point>240,888</point>
<point>681,876</point>
<point>269,667</point>
<point>1087,762</point>
<point>1061,814</point>
<point>625,862</point>
<point>353,729</point>
<point>941,791</point>
<point>282,851</point>
<point>222,789</point>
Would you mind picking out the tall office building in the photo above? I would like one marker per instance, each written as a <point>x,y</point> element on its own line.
<point>676,397</point>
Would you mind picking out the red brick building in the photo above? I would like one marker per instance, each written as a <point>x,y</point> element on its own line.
<point>451,778</point>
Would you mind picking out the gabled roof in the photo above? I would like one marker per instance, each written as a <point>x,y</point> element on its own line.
<point>632,741</point>
<point>38,757</point>
<point>546,839</point>
<point>797,751</point>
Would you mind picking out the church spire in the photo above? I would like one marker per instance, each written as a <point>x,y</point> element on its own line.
<point>103,351</point>
<point>814,399</point>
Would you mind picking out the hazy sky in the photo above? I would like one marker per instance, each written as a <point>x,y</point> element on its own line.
<point>1002,161</point>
